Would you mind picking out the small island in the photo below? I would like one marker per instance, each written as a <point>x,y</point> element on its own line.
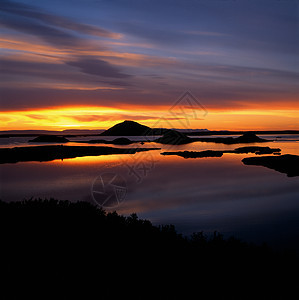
<point>173,137</point>
<point>247,137</point>
<point>288,163</point>
<point>257,150</point>
<point>212,153</point>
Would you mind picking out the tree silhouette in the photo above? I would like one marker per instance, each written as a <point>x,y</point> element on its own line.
<point>61,250</point>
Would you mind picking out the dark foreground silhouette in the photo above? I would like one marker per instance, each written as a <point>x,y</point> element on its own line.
<point>287,163</point>
<point>48,153</point>
<point>61,250</point>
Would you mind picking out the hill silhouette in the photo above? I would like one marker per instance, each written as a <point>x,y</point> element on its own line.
<point>61,250</point>
<point>247,137</point>
<point>173,137</point>
<point>126,128</point>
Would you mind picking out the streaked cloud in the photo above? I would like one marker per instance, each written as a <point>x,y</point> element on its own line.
<point>32,20</point>
<point>205,33</point>
<point>97,67</point>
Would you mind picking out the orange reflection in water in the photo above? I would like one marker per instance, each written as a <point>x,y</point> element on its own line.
<point>87,160</point>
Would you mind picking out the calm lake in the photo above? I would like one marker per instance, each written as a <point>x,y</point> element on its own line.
<point>203,194</point>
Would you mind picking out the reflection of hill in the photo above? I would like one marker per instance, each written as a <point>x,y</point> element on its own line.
<point>117,141</point>
<point>195,154</point>
<point>287,163</point>
<point>49,139</point>
<point>62,250</point>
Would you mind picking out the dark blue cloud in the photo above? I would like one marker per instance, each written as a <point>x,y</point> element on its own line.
<point>32,12</point>
<point>245,25</point>
<point>51,28</point>
<point>89,71</point>
<point>47,33</point>
<point>97,67</point>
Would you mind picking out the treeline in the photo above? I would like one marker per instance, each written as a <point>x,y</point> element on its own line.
<point>61,250</point>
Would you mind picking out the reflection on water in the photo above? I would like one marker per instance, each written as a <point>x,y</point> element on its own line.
<point>251,202</point>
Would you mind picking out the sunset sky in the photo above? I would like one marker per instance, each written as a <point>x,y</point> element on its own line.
<point>88,64</point>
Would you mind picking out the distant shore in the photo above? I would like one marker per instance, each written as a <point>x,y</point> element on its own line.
<point>6,134</point>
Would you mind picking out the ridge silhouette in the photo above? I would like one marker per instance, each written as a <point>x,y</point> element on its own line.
<point>61,250</point>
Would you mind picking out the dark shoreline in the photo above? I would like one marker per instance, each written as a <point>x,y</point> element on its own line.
<point>48,153</point>
<point>212,153</point>
<point>288,164</point>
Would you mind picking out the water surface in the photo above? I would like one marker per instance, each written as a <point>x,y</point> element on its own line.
<point>251,202</point>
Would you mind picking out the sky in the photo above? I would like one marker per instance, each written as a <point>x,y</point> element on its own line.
<point>88,64</point>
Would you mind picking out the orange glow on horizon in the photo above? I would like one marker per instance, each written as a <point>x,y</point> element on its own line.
<point>83,117</point>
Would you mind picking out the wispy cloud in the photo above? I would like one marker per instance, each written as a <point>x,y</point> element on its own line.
<point>97,67</point>
<point>39,22</point>
<point>204,33</point>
